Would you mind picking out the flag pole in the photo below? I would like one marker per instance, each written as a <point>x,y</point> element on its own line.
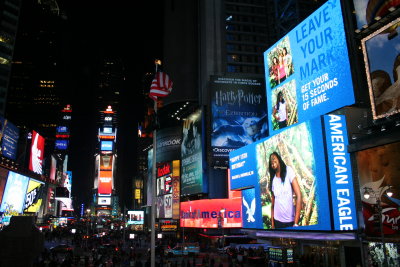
<point>153,184</point>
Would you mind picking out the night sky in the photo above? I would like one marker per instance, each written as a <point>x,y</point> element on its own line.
<point>124,28</point>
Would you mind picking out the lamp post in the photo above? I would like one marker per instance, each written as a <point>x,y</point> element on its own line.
<point>369,192</point>
<point>222,216</point>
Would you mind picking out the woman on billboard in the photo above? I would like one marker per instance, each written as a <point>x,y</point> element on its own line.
<point>283,184</point>
<point>280,111</point>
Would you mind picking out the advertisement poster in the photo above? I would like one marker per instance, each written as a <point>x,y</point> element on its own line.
<point>239,115</point>
<point>37,153</point>
<point>169,144</point>
<point>340,173</point>
<point>9,135</point>
<point>149,180</point>
<point>378,169</point>
<point>288,174</point>
<point>34,196</point>
<point>3,180</point>
<point>215,213</point>
<point>105,183</point>
<point>367,10</point>
<point>14,194</point>
<point>192,181</point>
<point>382,65</point>
<point>308,70</point>
<point>135,217</point>
<point>106,162</point>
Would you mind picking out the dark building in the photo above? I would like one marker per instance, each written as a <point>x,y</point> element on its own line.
<point>38,89</point>
<point>9,18</point>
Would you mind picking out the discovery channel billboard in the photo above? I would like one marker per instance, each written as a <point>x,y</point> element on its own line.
<point>239,115</point>
<point>285,183</point>
<point>308,70</point>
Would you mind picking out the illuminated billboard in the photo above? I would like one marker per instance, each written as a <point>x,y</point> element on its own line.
<point>340,173</point>
<point>61,144</point>
<point>211,213</point>
<point>106,145</point>
<point>300,198</point>
<point>34,196</point>
<point>14,193</point>
<point>3,180</point>
<point>382,66</point>
<point>9,134</point>
<point>169,144</point>
<point>37,153</point>
<point>149,180</point>
<point>239,115</point>
<point>104,201</point>
<point>105,183</point>
<point>378,169</point>
<point>368,12</point>
<point>308,70</point>
<point>106,162</point>
<point>135,217</point>
<point>192,179</point>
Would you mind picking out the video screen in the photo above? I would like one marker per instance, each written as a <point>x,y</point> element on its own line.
<point>135,217</point>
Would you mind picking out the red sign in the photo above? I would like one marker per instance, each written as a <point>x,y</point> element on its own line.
<point>37,151</point>
<point>105,183</point>
<point>164,170</point>
<point>390,219</point>
<point>211,213</point>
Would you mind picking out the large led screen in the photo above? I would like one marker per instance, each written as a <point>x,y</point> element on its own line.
<point>169,144</point>
<point>382,66</point>
<point>308,70</point>
<point>34,196</point>
<point>14,193</point>
<point>135,217</point>
<point>105,183</point>
<point>9,134</point>
<point>299,201</point>
<point>239,115</point>
<point>37,153</point>
<point>192,179</point>
<point>344,211</point>
<point>212,213</point>
<point>378,169</point>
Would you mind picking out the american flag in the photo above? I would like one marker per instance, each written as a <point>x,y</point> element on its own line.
<point>161,86</point>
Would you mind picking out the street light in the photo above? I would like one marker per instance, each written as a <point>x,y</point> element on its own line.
<point>368,193</point>
<point>222,216</point>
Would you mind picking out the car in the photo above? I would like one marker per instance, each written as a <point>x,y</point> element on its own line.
<point>183,249</point>
<point>62,248</point>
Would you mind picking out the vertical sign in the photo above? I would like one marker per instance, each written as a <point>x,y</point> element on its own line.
<point>341,179</point>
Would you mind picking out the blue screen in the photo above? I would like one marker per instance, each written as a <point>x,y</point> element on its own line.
<point>341,178</point>
<point>61,144</point>
<point>14,193</point>
<point>106,145</point>
<point>9,141</point>
<point>308,70</point>
<point>301,150</point>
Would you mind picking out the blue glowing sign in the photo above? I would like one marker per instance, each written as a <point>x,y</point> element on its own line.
<point>9,138</point>
<point>308,70</point>
<point>299,148</point>
<point>341,181</point>
<point>106,146</point>
<point>14,193</point>
<point>61,144</point>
